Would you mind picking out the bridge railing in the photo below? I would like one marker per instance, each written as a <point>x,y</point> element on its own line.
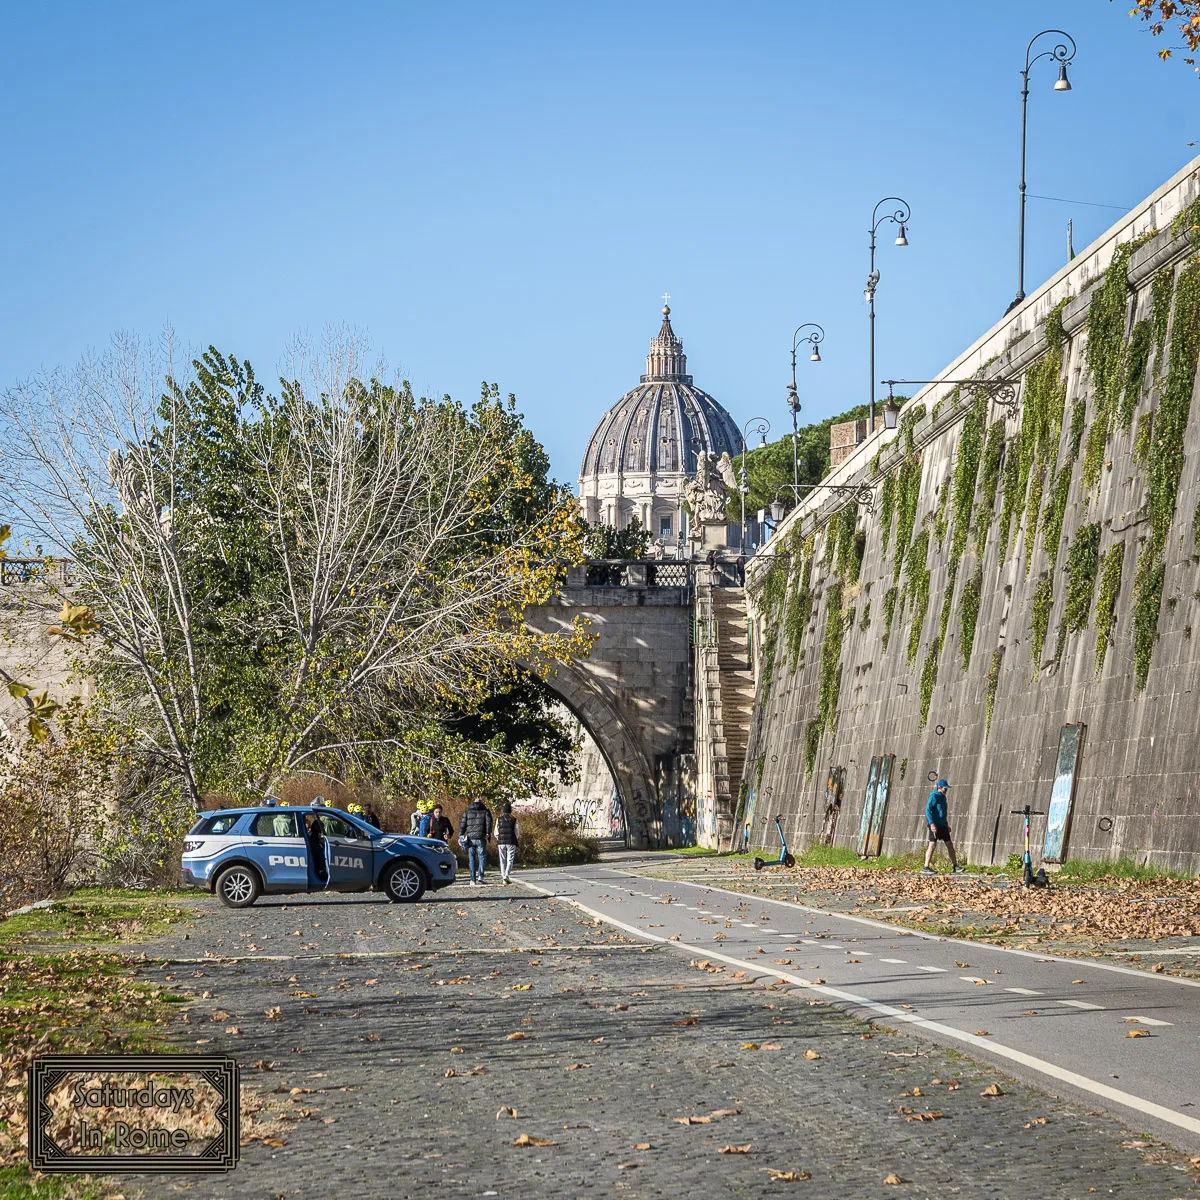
<point>58,571</point>
<point>630,573</point>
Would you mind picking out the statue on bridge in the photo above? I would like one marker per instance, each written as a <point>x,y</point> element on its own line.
<point>709,489</point>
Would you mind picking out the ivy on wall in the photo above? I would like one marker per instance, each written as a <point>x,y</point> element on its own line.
<point>993,455</point>
<point>1083,560</point>
<point>799,610</point>
<point>865,623</point>
<point>1141,439</point>
<point>966,473</point>
<point>1106,600</point>
<point>929,672</point>
<point>1055,511</point>
<point>1078,420</point>
<point>947,603</point>
<point>1147,600</point>
<point>993,682</point>
<point>812,741</point>
<point>1162,287</point>
<point>1034,509</point>
<point>1039,617</point>
<point>916,590</point>
<point>1104,355</point>
<point>1137,357</point>
<point>971,598</point>
<point>887,506</point>
<point>908,495</point>
<point>889,611</point>
<point>831,659</point>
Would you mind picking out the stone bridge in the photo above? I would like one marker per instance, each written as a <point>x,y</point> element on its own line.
<point>632,691</point>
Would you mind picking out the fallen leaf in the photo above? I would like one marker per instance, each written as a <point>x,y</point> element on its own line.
<point>786,1176</point>
<point>1036,1121</point>
<point>771,1046</point>
<point>642,1146</point>
<point>1158,968</point>
<point>982,1033</point>
<point>692,1120</point>
<point>686,1021</point>
<point>992,1089</point>
<point>725,1112</point>
<point>514,1037</point>
<point>925,1116</point>
<point>818,981</point>
<point>578,1066</point>
<point>520,987</point>
<point>749,1046</point>
<point>274,1142</point>
<point>272,1014</point>
<point>505,1111</point>
<point>812,1055</point>
<point>526,1140</point>
<point>1137,1033</point>
<point>232,1029</point>
<point>731,1149</point>
<point>673,938</point>
<point>629,1166</point>
<point>1076,980</point>
<point>893,1178</point>
<point>958,964</point>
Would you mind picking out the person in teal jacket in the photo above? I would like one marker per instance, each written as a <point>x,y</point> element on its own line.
<point>938,821</point>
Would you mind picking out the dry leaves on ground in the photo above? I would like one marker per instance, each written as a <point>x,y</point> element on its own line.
<point>1137,1033</point>
<point>505,1111</point>
<point>731,1149</point>
<point>893,1178</point>
<point>526,1140</point>
<point>786,1176</point>
<point>811,1055</point>
<point>992,1089</point>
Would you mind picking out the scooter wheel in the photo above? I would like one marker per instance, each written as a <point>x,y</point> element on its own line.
<point>759,864</point>
<point>789,860</point>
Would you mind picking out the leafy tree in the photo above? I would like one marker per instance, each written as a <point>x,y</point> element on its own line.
<point>1183,14</point>
<point>607,541</point>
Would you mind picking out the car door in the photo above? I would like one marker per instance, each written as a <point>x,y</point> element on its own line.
<point>276,847</point>
<point>348,854</point>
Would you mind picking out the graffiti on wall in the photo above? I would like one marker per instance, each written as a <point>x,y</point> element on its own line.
<point>599,818</point>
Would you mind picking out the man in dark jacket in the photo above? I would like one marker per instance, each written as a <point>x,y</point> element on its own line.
<point>506,840</point>
<point>938,821</point>
<point>476,828</point>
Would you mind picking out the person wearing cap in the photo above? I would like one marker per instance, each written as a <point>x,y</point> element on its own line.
<point>939,827</point>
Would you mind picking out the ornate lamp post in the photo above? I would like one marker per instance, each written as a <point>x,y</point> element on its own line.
<point>761,426</point>
<point>1062,84</point>
<point>814,339</point>
<point>901,217</point>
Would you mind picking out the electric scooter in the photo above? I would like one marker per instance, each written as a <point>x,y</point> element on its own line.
<point>1027,876</point>
<point>784,859</point>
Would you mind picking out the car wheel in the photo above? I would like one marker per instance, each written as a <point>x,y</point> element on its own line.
<point>404,883</point>
<point>238,887</point>
<point>759,864</point>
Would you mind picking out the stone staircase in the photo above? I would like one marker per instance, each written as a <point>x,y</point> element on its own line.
<point>736,686</point>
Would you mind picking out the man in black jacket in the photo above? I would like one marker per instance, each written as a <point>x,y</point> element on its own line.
<point>476,828</point>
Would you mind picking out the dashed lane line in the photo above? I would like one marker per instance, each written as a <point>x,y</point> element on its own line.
<point>1024,991</point>
<point>1080,1004</point>
<point>899,962</point>
<point>938,970</point>
<point>1148,1021</point>
<point>985,1046</point>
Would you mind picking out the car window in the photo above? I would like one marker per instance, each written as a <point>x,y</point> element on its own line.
<point>219,823</point>
<point>274,824</point>
<point>335,827</point>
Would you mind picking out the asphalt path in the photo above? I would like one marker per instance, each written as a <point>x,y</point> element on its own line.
<point>1063,1024</point>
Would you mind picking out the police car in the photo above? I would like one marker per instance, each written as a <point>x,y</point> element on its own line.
<point>241,853</point>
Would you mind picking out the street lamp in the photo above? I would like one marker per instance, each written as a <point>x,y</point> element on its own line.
<point>1062,84</point>
<point>761,426</point>
<point>901,217</point>
<point>814,339</point>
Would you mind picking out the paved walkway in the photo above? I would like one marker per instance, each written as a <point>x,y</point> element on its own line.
<point>637,1074</point>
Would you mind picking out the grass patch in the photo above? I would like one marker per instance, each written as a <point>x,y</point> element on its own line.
<point>1080,870</point>
<point>98,916</point>
<point>16,1183</point>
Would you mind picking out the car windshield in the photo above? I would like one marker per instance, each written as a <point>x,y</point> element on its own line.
<point>221,822</point>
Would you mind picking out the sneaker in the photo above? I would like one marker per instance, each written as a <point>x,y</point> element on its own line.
<point>928,871</point>
<point>957,870</point>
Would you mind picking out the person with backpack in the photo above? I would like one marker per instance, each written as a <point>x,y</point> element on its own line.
<point>439,825</point>
<point>476,829</point>
<point>506,841</point>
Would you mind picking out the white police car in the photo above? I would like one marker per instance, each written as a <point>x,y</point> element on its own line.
<point>241,853</point>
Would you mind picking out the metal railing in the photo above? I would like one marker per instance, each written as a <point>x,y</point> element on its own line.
<point>60,572</point>
<point>639,572</point>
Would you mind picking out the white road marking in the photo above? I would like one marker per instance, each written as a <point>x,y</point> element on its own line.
<point>766,930</point>
<point>941,970</point>
<point>898,961</point>
<point>747,925</point>
<point>1024,991</point>
<point>985,1046</point>
<point>1079,1004</point>
<point>1149,1021</point>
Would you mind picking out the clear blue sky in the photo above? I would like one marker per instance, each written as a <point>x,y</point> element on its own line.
<point>503,191</point>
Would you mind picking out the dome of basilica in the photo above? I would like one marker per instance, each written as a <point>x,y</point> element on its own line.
<point>646,445</point>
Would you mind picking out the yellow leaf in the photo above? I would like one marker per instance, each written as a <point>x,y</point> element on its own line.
<point>749,1046</point>
<point>893,1178</point>
<point>786,1176</point>
<point>526,1140</point>
<point>811,1055</point>
<point>731,1149</point>
<point>992,1089</point>
<point>1138,1033</point>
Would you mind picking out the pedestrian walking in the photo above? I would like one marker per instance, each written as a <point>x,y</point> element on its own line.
<point>372,817</point>
<point>414,823</point>
<point>507,834</point>
<point>938,821</point>
<point>476,828</point>
<point>439,825</point>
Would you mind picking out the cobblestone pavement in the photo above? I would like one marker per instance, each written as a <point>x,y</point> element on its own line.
<point>411,1031</point>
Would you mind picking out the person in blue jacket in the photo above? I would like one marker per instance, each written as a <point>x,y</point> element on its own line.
<point>939,827</point>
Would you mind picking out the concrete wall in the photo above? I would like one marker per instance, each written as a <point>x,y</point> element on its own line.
<point>1138,789</point>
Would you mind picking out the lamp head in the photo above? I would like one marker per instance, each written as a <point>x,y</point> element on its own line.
<point>777,511</point>
<point>891,414</point>
<point>902,240</point>
<point>762,441</point>
<point>1062,83</point>
<point>815,356</point>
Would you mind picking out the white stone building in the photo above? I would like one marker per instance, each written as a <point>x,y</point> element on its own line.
<point>645,447</point>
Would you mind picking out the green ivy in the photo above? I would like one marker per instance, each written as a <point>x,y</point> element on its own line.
<point>774,589</point>
<point>966,473</point>
<point>799,610</point>
<point>1055,511</point>
<point>887,506</point>
<point>1137,356</point>
<point>1078,421</point>
<point>1162,287</point>
<point>1147,600</point>
<point>993,453</point>
<point>812,742</point>
<point>908,496</point>
<point>916,589</point>
<point>971,599</point>
<point>1106,601</point>
<point>1196,528</point>
<point>1033,510</point>
<point>833,534</point>
<point>1105,354</point>
<point>889,611</point>
<point>947,603</point>
<point>1039,618</point>
<point>831,659</point>
<point>768,666</point>
<point>929,670</point>
<point>1141,439</point>
<point>993,682</point>
<point>1083,560</point>
<point>1165,464</point>
<point>939,516</point>
<point>865,623</point>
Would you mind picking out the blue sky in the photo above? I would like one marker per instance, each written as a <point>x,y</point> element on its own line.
<point>503,192</point>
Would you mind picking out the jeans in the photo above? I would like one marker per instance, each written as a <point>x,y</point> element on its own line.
<point>476,858</point>
<point>508,855</point>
